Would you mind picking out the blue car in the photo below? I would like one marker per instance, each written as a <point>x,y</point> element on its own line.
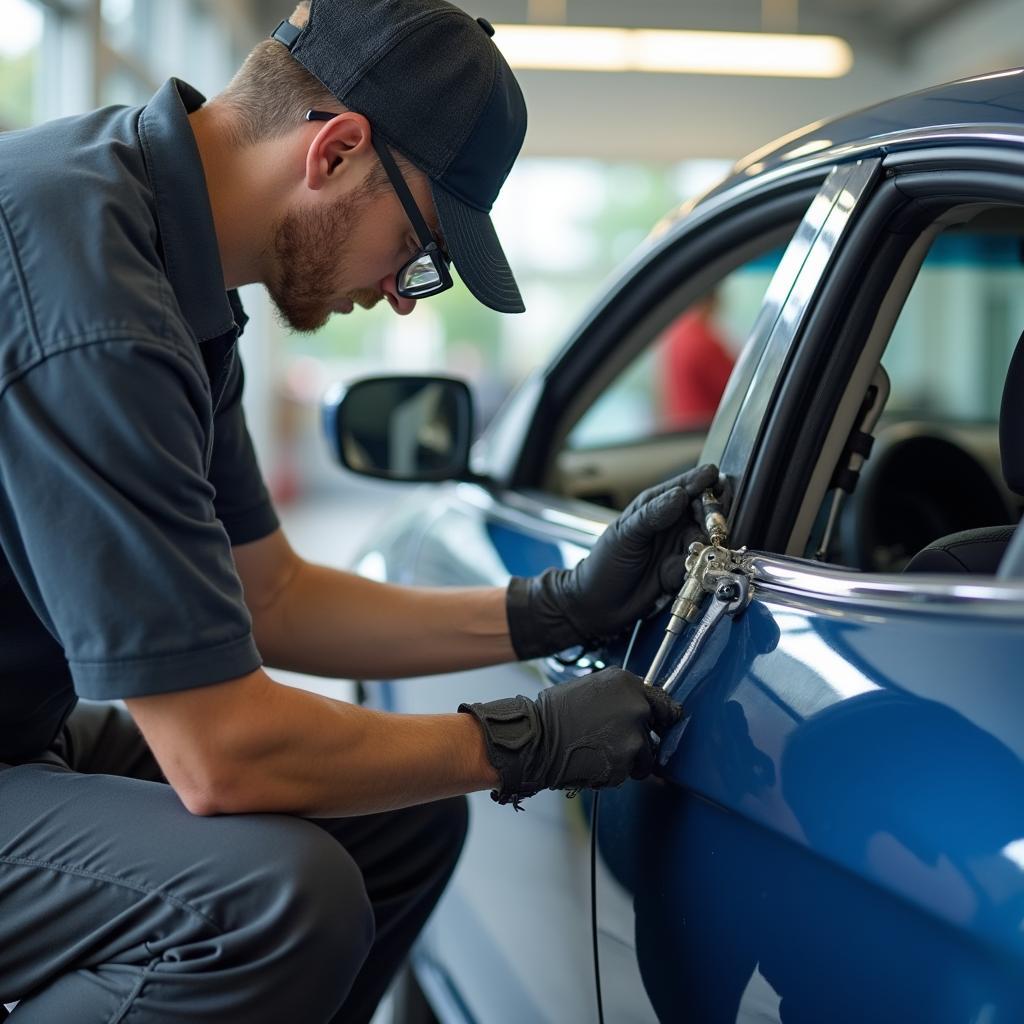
<point>835,832</point>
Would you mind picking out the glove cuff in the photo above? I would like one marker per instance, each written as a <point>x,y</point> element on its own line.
<point>512,732</point>
<point>537,625</point>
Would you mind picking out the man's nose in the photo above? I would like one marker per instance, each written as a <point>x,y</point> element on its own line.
<point>399,303</point>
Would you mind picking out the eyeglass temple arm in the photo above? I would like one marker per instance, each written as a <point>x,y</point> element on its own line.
<point>404,194</point>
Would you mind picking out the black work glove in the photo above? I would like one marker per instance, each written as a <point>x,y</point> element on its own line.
<point>594,731</point>
<point>637,559</point>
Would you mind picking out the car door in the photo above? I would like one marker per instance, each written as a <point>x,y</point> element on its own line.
<point>837,831</point>
<point>511,938</point>
<point>838,835</point>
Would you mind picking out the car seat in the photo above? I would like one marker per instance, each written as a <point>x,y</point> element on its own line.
<point>980,551</point>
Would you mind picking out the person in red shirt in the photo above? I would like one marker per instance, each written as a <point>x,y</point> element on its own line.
<point>695,367</point>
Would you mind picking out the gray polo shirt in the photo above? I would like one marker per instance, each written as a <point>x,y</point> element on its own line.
<point>126,469</point>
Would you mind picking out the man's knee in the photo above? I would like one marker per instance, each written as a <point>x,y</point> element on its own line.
<point>300,907</point>
<point>314,888</point>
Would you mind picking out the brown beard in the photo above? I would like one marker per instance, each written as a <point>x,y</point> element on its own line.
<point>311,260</point>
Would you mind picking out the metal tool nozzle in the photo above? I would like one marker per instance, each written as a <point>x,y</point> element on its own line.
<point>714,518</point>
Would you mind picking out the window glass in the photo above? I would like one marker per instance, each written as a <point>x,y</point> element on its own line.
<point>675,385</point>
<point>950,348</point>
<point>19,62</point>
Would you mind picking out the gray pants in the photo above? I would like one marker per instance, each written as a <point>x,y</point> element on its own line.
<point>117,905</point>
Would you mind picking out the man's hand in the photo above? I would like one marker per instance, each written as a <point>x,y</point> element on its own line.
<point>636,560</point>
<point>592,732</point>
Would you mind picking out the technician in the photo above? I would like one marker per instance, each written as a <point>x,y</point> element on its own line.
<point>301,843</point>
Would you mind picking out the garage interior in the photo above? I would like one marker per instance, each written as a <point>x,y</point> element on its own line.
<point>608,154</point>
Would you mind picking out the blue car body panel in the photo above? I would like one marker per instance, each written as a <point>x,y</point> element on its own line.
<point>508,938</point>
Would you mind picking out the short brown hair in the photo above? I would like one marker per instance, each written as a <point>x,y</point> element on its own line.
<point>272,91</point>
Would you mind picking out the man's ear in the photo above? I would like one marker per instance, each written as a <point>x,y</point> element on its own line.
<point>342,143</point>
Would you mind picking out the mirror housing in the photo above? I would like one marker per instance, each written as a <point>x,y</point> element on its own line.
<point>411,429</point>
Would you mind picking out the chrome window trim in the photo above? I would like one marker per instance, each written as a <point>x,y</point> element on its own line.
<point>734,431</point>
<point>773,574</point>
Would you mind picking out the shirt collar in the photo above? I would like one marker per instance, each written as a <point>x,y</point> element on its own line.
<point>187,234</point>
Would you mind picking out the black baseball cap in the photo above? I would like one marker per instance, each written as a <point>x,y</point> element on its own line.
<point>433,84</point>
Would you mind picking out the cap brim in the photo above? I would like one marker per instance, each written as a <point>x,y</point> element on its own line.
<point>476,252</point>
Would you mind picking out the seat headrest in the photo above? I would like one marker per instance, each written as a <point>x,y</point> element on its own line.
<point>1011,422</point>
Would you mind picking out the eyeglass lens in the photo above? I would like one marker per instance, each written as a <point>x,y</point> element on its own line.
<point>420,275</point>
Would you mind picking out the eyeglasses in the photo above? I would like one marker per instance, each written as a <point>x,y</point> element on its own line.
<point>426,273</point>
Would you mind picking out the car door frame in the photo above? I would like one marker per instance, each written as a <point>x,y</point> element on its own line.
<point>774,456</point>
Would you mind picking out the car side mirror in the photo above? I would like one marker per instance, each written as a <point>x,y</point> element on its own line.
<point>401,428</point>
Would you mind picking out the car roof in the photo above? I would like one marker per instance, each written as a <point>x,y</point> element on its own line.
<point>982,102</point>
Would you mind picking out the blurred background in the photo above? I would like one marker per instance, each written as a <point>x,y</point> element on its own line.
<point>608,152</point>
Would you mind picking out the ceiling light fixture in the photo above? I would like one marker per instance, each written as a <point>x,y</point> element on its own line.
<point>579,48</point>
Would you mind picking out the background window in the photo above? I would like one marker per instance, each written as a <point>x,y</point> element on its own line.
<point>19,63</point>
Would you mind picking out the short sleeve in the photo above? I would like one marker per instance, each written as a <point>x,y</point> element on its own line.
<point>107,518</point>
<point>241,499</point>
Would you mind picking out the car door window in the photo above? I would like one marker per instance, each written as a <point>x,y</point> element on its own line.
<point>675,385</point>
<point>654,416</point>
<point>624,434</point>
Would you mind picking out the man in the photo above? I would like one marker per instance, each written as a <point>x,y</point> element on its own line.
<point>696,366</point>
<point>302,842</point>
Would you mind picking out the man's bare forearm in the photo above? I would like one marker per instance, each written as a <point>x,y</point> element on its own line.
<point>253,745</point>
<point>333,623</point>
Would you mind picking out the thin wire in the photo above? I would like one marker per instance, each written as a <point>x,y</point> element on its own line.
<point>593,859</point>
<point>593,906</point>
<point>632,640</point>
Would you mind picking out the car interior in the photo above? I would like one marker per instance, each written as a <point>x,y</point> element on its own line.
<point>922,470</point>
<point>939,489</point>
